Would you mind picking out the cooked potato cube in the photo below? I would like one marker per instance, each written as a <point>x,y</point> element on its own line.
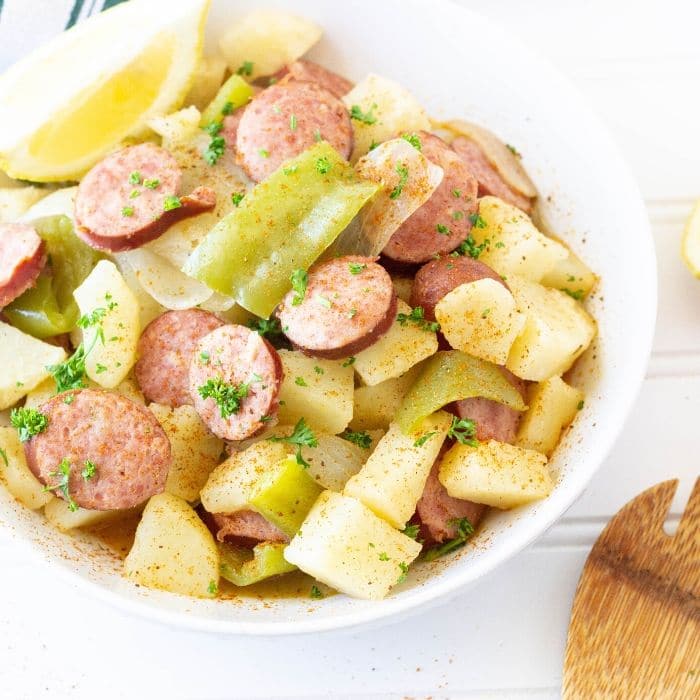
<point>194,449</point>
<point>263,42</point>
<point>16,476</point>
<point>173,550</point>
<point>557,331</point>
<point>375,406</point>
<point>553,405</point>
<point>495,473</point>
<point>401,347</point>
<point>515,246</point>
<point>389,107</point>
<point>112,338</point>
<point>480,318</point>
<point>177,128</point>
<point>571,275</point>
<point>59,514</point>
<point>393,479</point>
<point>24,360</point>
<point>15,201</point>
<point>344,544</point>
<point>321,391</point>
<point>206,82</point>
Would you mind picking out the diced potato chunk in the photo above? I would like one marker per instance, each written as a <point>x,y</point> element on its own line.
<point>571,275</point>
<point>15,474</point>
<point>553,405</point>
<point>515,246</point>
<point>375,406</point>
<point>344,544</point>
<point>112,340</point>
<point>495,473</point>
<point>59,514</point>
<point>194,449</point>
<point>393,479</point>
<point>173,550</point>
<point>24,360</point>
<point>393,108</point>
<point>207,79</point>
<point>265,41</point>
<point>178,127</point>
<point>229,485</point>
<point>320,391</point>
<point>399,349</point>
<point>480,318</point>
<point>557,331</point>
<point>15,201</point>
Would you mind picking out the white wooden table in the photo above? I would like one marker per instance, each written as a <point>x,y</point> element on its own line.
<point>639,64</point>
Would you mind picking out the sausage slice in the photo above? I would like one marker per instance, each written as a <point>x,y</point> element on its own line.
<point>122,439</point>
<point>132,197</point>
<point>246,525</point>
<point>165,351</point>
<point>314,73</point>
<point>235,377</point>
<point>22,257</point>
<point>490,182</point>
<point>348,304</point>
<point>286,119</point>
<point>442,223</point>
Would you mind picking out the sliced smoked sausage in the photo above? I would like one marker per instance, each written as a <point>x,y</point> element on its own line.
<point>245,525</point>
<point>490,182</point>
<point>286,119</point>
<point>348,304</point>
<point>165,351</point>
<point>132,197</point>
<point>442,223</point>
<point>235,377</point>
<point>122,440</point>
<point>22,257</point>
<point>314,73</point>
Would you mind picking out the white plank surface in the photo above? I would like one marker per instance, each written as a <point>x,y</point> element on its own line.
<point>638,64</point>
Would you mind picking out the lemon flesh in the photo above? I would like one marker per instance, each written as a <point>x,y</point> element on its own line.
<point>67,105</point>
<point>690,245</point>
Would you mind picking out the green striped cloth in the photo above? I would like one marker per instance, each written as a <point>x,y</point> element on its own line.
<point>26,24</point>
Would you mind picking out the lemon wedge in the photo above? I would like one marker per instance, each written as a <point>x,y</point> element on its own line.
<point>68,104</point>
<point>690,244</point>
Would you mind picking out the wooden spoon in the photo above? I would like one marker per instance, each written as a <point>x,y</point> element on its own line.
<point>635,622</point>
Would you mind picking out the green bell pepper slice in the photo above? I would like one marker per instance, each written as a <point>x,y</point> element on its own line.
<point>283,224</point>
<point>234,93</point>
<point>243,567</point>
<point>452,375</point>
<point>48,308</point>
<point>284,494</point>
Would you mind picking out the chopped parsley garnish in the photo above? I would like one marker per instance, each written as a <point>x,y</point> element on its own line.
<point>293,122</point>
<point>325,303</point>
<point>319,370</point>
<point>457,193</point>
<point>127,211</point>
<point>352,313</point>
<point>71,373</point>
<point>213,587</point>
<point>68,400</point>
<point>89,470</point>
<point>578,294</point>
<point>290,170</point>
<point>349,361</point>
<point>383,556</point>
<point>152,183</point>
<point>227,109</point>
<point>227,397</point>
<point>513,150</point>
<point>499,244</point>
<point>204,357</point>
<point>212,128</point>
<point>356,268</point>
<point>580,405</point>
<point>477,220</point>
<point>265,419</point>
<point>402,170</point>
<point>215,149</point>
<point>94,318</point>
<point>269,328</point>
<point>28,421</point>
<point>417,317</point>
<point>411,531</point>
<point>367,117</point>
<point>263,153</point>
<point>134,193</point>
<point>237,198</point>
<point>171,202</point>
<point>464,531</point>
<point>315,593</point>
<point>299,279</point>
<point>246,68</point>
<point>100,368</point>
<point>442,229</point>
<point>464,431</point>
<point>360,438</point>
<point>471,248</point>
<point>485,313</point>
<point>300,381</point>
<point>317,136</point>
<point>63,474</point>
<point>457,215</point>
<point>414,140</point>
<point>373,145</point>
<point>323,165</point>
<point>424,438</point>
<point>404,572</point>
<point>302,436</point>
<point>135,178</point>
<point>3,454</point>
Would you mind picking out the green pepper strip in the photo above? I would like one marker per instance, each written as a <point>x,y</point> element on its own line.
<point>282,225</point>
<point>450,376</point>
<point>242,567</point>
<point>235,92</point>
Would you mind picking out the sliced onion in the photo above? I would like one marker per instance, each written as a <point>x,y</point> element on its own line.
<point>59,202</point>
<point>497,153</point>
<point>399,198</point>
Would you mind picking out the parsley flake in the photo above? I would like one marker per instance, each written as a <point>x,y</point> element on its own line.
<point>302,436</point>
<point>268,328</point>
<point>299,279</point>
<point>315,593</point>
<point>403,566</point>
<point>213,587</point>
<point>356,268</point>
<point>63,474</point>
<point>227,397</point>
<point>414,140</point>
<point>227,109</point>
<point>28,421</point>
<point>470,247</point>
<point>424,438</point>
<point>237,198</point>
<point>152,183</point>
<point>513,150</point>
<point>300,381</point>
<point>580,405</point>
<point>263,153</point>
<point>577,294</point>
<point>360,438</point>
<point>246,68</point>
<point>89,470</point>
<point>417,317</point>
<point>383,556</point>
<point>127,211</point>
<point>3,454</point>
<point>367,117</point>
<point>411,531</point>
<point>442,229</point>
<point>171,202</point>
<point>478,221</point>
<point>293,122</point>
<point>402,170</point>
<point>323,165</point>
<point>135,178</point>
<point>464,531</point>
<point>349,361</point>
<point>464,431</point>
<point>319,370</point>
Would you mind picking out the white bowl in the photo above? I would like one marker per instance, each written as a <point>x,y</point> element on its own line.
<point>459,65</point>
